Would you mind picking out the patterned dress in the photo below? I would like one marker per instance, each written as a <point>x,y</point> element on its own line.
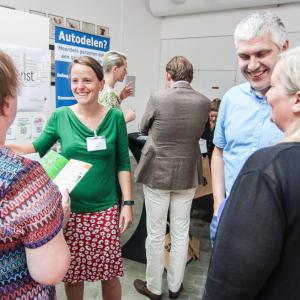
<point>109,98</point>
<point>30,216</point>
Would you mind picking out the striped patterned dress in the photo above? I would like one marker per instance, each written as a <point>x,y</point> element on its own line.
<point>30,216</point>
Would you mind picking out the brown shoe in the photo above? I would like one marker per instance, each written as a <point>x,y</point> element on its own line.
<point>141,287</point>
<point>174,295</point>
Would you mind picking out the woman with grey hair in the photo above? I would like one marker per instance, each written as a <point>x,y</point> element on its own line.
<point>115,70</point>
<point>256,252</point>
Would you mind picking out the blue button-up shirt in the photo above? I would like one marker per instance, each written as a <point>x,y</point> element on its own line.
<point>243,126</point>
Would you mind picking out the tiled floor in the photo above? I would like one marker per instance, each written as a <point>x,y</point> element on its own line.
<point>195,274</point>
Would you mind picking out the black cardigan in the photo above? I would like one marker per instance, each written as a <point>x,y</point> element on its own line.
<point>256,254</point>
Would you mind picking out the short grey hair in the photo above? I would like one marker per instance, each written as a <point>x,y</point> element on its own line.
<point>258,24</point>
<point>113,58</point>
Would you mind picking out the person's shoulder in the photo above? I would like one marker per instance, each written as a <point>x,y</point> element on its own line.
<point>13,167</point>
<point>115,113</point>
<point>201,96</point>
<point>168,91</point>
<point>16,161</point>
<point>107,92</point>
<point>264,157</point>
<point>61,111</point>
<point>243,88</point>
<point>236,95</point>
<point>161,93</point>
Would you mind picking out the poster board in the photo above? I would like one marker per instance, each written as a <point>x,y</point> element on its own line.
<point>34,96</point>
<point>19,34</point>
<point>70,44</point>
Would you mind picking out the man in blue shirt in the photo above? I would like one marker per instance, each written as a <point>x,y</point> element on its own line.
<point>243,124</point>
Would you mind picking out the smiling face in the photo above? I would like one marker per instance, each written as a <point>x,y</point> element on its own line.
<point>280,101</point>
<point>84,84</point>
<point>257,58</point>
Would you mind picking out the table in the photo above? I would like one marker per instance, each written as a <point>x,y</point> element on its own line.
<point>134,248</point>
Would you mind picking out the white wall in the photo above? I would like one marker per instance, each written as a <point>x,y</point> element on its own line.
<point>133,30</point>
<point>206,39</point>
<point>141,43</point>
<point>149,42</point>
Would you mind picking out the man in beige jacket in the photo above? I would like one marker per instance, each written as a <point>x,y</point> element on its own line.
<point>170,169</point>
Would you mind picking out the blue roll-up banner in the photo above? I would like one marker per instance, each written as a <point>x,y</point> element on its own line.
<point>70,44</point>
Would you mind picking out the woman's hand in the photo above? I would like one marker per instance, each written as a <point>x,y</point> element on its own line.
<point>126,91</point>
<point>130,115</point>
<point>66,207</point>
<point>125,218</point>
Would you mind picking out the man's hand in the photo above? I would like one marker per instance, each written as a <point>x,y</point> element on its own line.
<point>125,218</point>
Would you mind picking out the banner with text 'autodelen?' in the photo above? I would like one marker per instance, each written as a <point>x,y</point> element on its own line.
<point>70,44</point>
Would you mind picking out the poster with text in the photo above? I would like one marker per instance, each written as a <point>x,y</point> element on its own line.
<point>34,68</point>
<point>70,44</point>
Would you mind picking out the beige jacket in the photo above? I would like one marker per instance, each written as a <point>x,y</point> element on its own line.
<point>174,121</point>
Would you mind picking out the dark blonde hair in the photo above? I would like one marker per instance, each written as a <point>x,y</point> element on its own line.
<point>180,69</point>
<point>89,62</point>
<point>9,79</point>
<point>215,104</point>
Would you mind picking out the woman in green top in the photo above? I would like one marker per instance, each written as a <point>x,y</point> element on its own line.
<point>96,134</point>
<point>115,70</point>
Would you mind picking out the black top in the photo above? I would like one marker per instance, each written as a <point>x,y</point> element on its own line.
<point>208,135</point>
<point>257,251</point>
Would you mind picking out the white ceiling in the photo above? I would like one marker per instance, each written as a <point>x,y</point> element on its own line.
<point>162,8</point>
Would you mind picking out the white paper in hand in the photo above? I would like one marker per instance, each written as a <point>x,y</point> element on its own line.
<point>71,174</point>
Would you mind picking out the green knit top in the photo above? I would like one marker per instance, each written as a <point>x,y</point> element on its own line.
<point>98,189</point>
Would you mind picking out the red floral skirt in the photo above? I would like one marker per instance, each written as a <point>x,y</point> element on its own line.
<point>94,242</point>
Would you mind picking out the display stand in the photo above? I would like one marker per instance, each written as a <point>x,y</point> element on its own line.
<point>134,248</point>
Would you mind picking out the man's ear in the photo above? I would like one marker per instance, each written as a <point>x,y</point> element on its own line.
<point>168,80</point>
<point>296,106</point>
<point>168,76</point>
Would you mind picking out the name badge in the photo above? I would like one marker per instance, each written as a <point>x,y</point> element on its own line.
<point>95,143</point>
